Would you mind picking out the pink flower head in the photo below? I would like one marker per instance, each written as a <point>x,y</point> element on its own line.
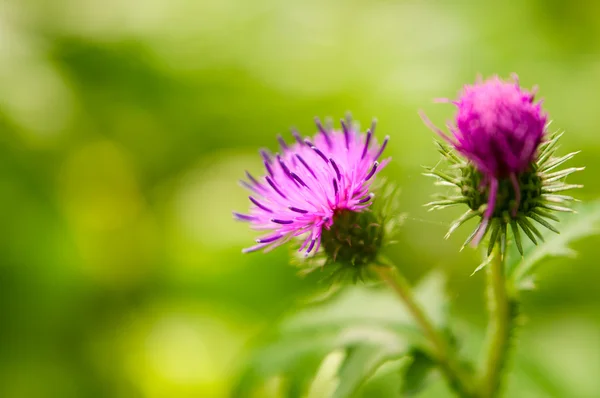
<point>498,128</point>
<point>309,182</point>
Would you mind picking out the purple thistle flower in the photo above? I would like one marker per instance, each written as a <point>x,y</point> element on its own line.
<point>309,182</point>
<point>498,128</point>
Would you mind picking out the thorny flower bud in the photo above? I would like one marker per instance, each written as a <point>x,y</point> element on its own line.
<point>502,163</point>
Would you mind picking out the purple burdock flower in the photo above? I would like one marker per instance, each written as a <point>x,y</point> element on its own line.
<point>498,128</point>
<point>310,182</point>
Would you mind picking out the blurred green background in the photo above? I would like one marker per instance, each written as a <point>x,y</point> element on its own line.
<point>125,126</point>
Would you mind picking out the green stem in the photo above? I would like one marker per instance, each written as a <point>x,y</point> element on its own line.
<point>458,379</point>
<point>502,311</point>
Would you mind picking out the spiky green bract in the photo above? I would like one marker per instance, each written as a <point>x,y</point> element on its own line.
<point>355,239</point>
<point>540,195</point>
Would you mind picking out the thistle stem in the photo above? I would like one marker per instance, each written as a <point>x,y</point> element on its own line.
<point>502,313</point>
<point>456,375</point>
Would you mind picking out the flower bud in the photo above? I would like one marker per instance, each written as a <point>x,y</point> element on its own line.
<point>502,165</point>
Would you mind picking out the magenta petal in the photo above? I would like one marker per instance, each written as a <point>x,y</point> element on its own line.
<point>310,180</point>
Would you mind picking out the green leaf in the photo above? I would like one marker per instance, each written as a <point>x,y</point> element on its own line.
<point>572,227</point>
<point>416,373</point>
<point>361,362</point>
<point>370,326</point>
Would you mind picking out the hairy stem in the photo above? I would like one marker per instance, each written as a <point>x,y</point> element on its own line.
<point>502,312</point>
<point>457,377</point>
